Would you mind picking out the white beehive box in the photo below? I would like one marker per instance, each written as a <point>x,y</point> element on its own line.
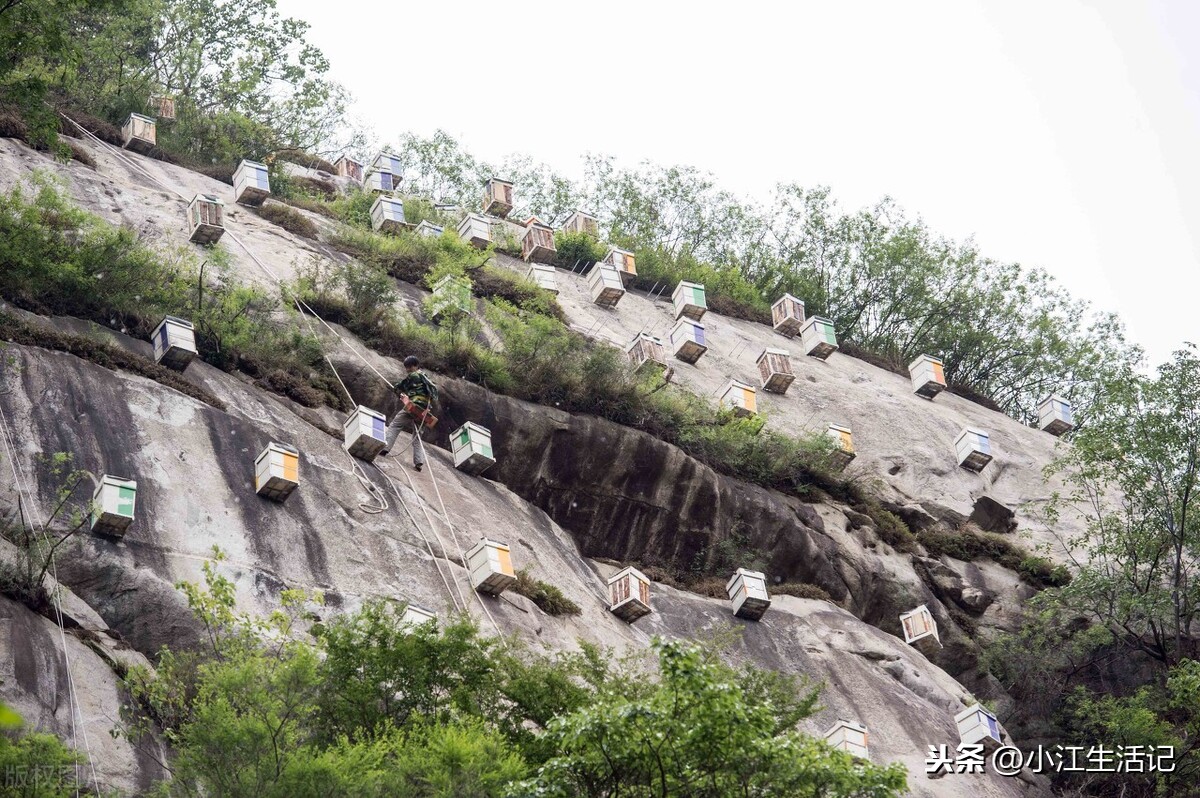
<point>498,197</point>
<point>277,471</point>
<point>174,342</point>
<point>429,229</point>
<point>349,167</point>
<point>843,439</point>
<point>919,624</point>
<point>973,448</point>
<point>543,275</point>
<point>139,133</point>
<point>748,592</point>
<point>113,505</point>
<point>251,183</point>
<point>451,294</point>
<point>978,726</point>
<point>688,300</point>
<point>537,242</point>
<point>927,377</point>
<point>582,222</point>
<point>416,615</point>
<point>604,282</point>
<point>1054,415</point>
<point>387,214</point>
<point>787,315</point>
<point>741,398</point>
<point>629,594</point>
<point>491,567</point>
<point>775,370</point>
<point>475,230</point>
<point>817,338</point>
<point>849,736</point>
<point>622,260</point>
<point>365,433</point>
<point>471,446</point>
<point>646,350</point>
<point>687,340</point>
<point>206,219</point>
<point>386,162</point>
<point>380,181</point>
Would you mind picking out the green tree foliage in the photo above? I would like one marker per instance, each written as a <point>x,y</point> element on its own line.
<point>36,765</point>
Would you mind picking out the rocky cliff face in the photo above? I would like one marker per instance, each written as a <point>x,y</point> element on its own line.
<point>568,493</point>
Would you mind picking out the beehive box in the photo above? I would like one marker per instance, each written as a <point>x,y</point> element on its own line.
<point>206,219</point>
<point>748,592</point>
<point>386,162</point>
<point>429,229</point>
<point>416,615</point>
<point>927,377</point>
<point>604,282</point>
<point>471,446</point>
<point>629,594</point>
<point>537,244</point>
<point>365,433</point>
<point>976,726</point>
<point>349,167</point>
<point>582,222</point>
<point>622,260</point>
<point>741,398</point>
<point>174,342</point>
<point>919,624</point>
<point>543,275</point>
<point>787,315</point>
<point>849,736</point>
<point>113,505</point>
<point>138,133</point>
<point>387,214</point>
<point>498,197</point>
<point>251,183</point>
<point>163,107</point>
<point>775,370</point>
<point>688,300</point>
<point>687,340</point>
<point>491,567</point>
<point>451,295</point>
<point>475,230</point>
<point>1054,415</point>
<point>380,181</point>
<point>817,338</point>
<point>277,471</point>
<point>646,351</point>
<point>844,454</point>
<point>974,449</point>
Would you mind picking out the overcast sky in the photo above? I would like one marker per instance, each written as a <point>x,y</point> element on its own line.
<point>1059,134</point>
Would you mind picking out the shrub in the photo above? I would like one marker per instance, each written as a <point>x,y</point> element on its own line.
<point>801,590</point>
<point>548,597</point>
<point>491,282</point>
<point>287,218</point>
<point>354,208</point>
<point>969,544</point>
<point>575,248</point>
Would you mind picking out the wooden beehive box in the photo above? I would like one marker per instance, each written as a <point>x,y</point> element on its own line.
<point>491,567</point>
<point>537,243</point>
<point>843,439</point>
<point>974,449</point>
<point>543,275</point>
<point>163,107</point>
<point>365,433</point>
<point>138,133</point>
<point>277,471</point>
<point>741,398</point>
<point>113,505</point>
<point>976,726</point>
<point>849,736</point>
<point>476,230</point>
<point>498,197</point>
<point>748,592</point>
<point>416,615</point>
<point>582,222</point>
<point>646,350</point>
<point>688,300</point>
<point>687,340</point>
<point>471,446</point>
<point>817,338</point>
<point>1054,415</point>
<point>604,282</point>
<point>429,229</point>
<point>629,594</point>
<point>349,167</point>
<point>206,219</point>
<point>251,183</point>
<point>787,315</point>
<point>174,342</point>
<point>919,624</point>
<point>622,260</point>
<point>452,295</point>
<point>927,377</point>
<point>775,370</point>
<point>387,214</point>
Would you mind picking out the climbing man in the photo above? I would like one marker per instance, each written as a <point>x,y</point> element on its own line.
<point>417,395</point>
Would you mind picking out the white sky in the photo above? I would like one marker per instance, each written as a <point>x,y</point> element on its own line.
<point>1059,134</point>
